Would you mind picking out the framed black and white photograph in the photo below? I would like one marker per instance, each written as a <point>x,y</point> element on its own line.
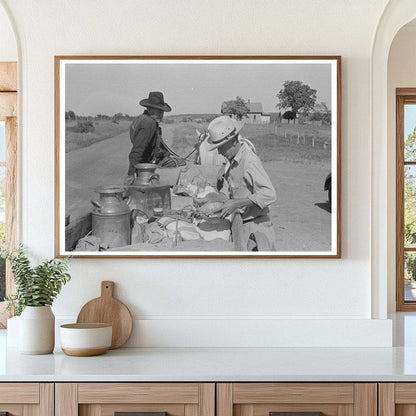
<point>198,156</point>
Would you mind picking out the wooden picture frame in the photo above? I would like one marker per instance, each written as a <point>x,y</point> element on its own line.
<point>296,142</point>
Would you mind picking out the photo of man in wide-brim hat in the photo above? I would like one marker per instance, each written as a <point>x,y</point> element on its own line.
<point>244,181</point>
<point>146,135</point>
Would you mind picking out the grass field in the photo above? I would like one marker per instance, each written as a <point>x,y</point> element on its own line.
<point>292,142</point>
<point>103,129</point>
<point>274,142</point>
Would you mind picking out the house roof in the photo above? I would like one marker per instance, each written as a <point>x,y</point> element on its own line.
<point>255,107</point>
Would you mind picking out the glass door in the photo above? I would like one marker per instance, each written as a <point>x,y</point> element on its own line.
<point>406,200</point>
<point>2,206</point>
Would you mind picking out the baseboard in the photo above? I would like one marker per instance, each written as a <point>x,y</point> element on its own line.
<point>248,332</point>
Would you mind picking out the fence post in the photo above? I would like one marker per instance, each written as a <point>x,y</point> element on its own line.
<point>298,136</point>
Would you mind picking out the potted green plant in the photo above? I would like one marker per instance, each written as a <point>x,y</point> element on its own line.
<point>36,289</point>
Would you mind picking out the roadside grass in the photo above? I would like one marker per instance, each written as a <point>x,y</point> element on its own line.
<point>103,129</point>
<point>272,142</point>
<point>292,142</point>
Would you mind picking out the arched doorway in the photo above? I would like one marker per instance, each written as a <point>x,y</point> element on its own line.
<point>396,14</point>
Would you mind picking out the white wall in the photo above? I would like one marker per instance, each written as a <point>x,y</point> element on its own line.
<point>8,47</point>
<point>401,74</point>
<point>179,302</point>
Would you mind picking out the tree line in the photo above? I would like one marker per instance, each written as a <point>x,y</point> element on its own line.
<point>70,115</point>
<point>297,98</point>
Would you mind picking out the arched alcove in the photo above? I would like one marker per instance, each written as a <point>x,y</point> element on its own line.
<point>400,74</point>
<point>396,14</point>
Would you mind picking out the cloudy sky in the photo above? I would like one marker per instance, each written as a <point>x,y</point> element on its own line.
<point>109,88</point>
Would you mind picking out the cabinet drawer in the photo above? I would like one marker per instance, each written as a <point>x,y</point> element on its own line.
<point>153,399</point>
<point>296,399</point>
<point>397,399</point>
<point>21,399</point>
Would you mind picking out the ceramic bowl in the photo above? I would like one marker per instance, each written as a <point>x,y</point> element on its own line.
<point>83,340</point>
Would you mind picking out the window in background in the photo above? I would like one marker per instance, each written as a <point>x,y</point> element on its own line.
<point>406,199</point>
<point>8,175</point>
<point>2,206</point>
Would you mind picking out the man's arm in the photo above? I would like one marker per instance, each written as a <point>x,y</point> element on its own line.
<point>264,193</point>
<point>232,205</point>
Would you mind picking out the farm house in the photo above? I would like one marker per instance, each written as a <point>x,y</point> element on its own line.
<point>255,114</point>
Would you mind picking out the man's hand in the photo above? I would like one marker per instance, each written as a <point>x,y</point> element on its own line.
<point>167,162</point>
<point>129,180</point>
<point>234,204</point>
<point>211,197</point>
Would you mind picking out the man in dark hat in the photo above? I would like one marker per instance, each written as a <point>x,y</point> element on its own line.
<point>146,135</point>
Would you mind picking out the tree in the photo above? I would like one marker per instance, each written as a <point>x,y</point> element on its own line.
<point>289,115</point>
<point>237,107</point>
<point>410,146</point>
<point>69,115</point>
<point>410,191</point>
<point>297,96</point>
<point>117,117</point>
<point>316,116</point>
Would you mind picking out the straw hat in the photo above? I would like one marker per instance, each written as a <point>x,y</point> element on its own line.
<point>223,129</point>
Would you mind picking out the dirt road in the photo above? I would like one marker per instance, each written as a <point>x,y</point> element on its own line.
<point>300,215</point>
<point>103,163</point>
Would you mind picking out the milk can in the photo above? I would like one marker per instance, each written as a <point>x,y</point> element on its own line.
<point>111,218</point>
<point>146,193</point>
<point>144,174</point>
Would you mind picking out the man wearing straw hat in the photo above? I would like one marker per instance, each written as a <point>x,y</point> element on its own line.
<point>244,180</point>
<point>146,135</point>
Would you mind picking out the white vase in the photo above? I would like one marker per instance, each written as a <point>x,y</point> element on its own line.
<point>37,330</point>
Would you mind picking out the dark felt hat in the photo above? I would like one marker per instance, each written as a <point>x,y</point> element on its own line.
<point>155,100</point>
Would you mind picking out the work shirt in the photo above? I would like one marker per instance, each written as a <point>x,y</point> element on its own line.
<point>145,135</point>
<point>245,177</point>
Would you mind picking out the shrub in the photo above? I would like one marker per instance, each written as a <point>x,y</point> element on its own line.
<point>83,126</point>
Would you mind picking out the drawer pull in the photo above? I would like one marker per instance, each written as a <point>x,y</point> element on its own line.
<point>139,414</point>
<point>296,414</point>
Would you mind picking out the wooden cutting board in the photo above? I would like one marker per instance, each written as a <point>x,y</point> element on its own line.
<point>107,309</point>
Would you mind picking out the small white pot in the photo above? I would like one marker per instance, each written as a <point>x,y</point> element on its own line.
<point>86,339</point>
<point>37,330</point>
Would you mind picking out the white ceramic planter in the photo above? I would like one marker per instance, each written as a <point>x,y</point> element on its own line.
<point>37,330</point>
